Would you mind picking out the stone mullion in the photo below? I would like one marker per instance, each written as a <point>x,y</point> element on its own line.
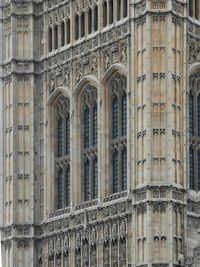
<point>86,23</point>
<point>108,12</point>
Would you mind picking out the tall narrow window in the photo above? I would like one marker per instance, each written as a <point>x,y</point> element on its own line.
<point>111,11</point>
<point>95,132</point>
<point>50,40</point>
<point>125,7</point>
<point>124,169</point>
<point>56,37</point>
<point>67,187</point>
<point>115,172</point>
<point>191,168</point>
<point>62,128</point>
<point>198,170</point>
<point>124,114</point>
<point>89,141</point>
<point>60,137</point>
<point>60,189</point>
<point>197,9</point>
<point>119,132</point>
<point>95,178</point>
<point>90,21</point>
<point>83,25</point>
<point>191,115</point>
<point>87,181</point>
<point>118,9</point>
<point>96,18</point>
<point>105,14</point>
<point>115,114</point>
<point>76,27</point>
<point>198,116</point>
<point>62,33</point>
<point>191,8</point>
<point>87,127</point>
<point>68,135</point>
<point>68,31</point>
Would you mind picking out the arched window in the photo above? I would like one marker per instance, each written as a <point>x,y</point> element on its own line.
<point>68,31</point>
<point>62,117</point>
<point>105,14</point>
<point>110,11</point>
<point>96,18</point>
<point>119,132</point>
<point>90,21</point>
<point>62,33</point>
<point>83,25</point>
<point>76,27</point>
<point>50,39</point>
<point>90,141</point>
<point>56,37</point>
<point>194,132</point>
<point>125,7</point>
<point>118,9</point>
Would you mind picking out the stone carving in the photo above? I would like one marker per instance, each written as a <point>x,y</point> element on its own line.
<point>66,80</point>
<point>107,61</point>
<point>52,85</point>
<point>51,250</point>
<point>123,56</point>
<point>79,72</point>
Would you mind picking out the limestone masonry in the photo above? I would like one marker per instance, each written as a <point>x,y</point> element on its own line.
<point>100,133</point>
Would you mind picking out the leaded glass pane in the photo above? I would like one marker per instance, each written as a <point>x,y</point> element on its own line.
<point>87,181</point>
<point>115,111</point>
<point>198,170</point>
<point>95,131</point>
<point>60,143</point>
<point>124,116</point>
<point>68,187</point>
<point>87,127</point>
<point>95,178</point>
<point>124,169</point>
<point>68,135</point>
<point>60,189</point>
<point>198,116</point>
<point>191,168</point>
<point>115,173</point>
<point>191,115</point>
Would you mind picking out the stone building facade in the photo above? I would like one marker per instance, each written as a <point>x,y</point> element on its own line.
<point>100,126</point>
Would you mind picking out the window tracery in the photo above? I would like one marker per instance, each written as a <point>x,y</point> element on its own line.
<point>90,140</point>
<point>194,8</point>
<point>50,39</point>
<point>62,160</point>
<point>119,132</point>
<point>194,133</point>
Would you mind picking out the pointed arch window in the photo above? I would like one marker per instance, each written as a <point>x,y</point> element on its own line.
<point>83,24</point>
<point>50,39</point>
<point>62,117</point>
<point>110,11</point>
<point>90,141</point>
<point>90,21</point>
<point>119,132</point>
<point>62,33</point>
<point>105,14</point>
<point>55,37</point>
<point>68,31</point>
<point>76,27</point>
<point>194,132</point>
<point>96,18</point>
